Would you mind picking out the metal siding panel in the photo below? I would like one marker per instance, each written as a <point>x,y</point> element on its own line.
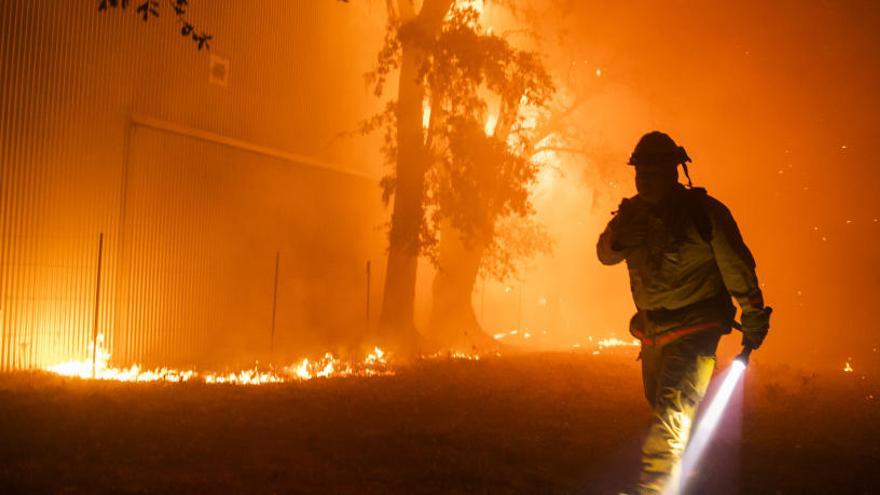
<point>6,49</point>
<point>68,83</point>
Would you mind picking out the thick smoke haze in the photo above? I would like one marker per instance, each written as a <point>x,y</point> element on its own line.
<point>245,246</point>
<point>776,104</point>
<point>774,101</point>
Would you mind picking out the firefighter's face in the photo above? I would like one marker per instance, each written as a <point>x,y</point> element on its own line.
<point>654,182</point>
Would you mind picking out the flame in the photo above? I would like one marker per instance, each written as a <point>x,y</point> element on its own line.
<point>464,355</point>
<point>601,344</point>
<point>451,354</point>
<point>615,342</point>
<point>426,113</point>
<point>491,122</point>
<point>328,366</point>
<point>847,367</point>
<point>478,5</point>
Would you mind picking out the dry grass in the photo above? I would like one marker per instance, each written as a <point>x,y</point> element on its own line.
<point>548,423</point>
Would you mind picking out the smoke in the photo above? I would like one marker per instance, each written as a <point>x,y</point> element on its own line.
<point>770,101</point>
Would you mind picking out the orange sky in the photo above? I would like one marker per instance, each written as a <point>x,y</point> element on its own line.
<point>775,103</point>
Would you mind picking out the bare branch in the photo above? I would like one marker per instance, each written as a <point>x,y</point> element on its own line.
<point>556,123</point>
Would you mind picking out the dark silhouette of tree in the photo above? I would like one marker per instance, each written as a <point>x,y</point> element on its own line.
<point>150,9</point>
<point>475,176</point>
<point>409,34</point>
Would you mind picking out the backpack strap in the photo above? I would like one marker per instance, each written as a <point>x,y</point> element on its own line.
<point>696,199</point>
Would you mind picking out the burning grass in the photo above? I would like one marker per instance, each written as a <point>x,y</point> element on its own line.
<point>376,363</point>
<point>328,366</point>
<point>546,423</point>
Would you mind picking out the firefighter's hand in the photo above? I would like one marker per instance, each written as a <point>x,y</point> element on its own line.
<point>629,229</point>
<point>753,340</point>
<point>629,235</point>
<point>755,325</point>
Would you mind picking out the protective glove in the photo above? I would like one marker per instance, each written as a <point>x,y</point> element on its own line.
<point>753,340</point>
<point>755,325</point>
<point>629,229</point>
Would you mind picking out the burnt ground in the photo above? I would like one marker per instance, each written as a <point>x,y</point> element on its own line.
<point>546,423</point>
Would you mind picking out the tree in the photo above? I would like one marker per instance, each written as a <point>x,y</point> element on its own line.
<point>476,168</point>
<point>409,34</point>
<point>149,9</point>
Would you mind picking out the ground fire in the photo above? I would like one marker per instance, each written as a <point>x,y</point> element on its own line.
<point>328,366</point>
<point>439,246</point>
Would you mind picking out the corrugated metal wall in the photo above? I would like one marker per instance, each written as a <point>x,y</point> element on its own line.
<point>194,200</point>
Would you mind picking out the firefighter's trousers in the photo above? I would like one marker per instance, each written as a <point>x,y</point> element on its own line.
<point>675,376</point>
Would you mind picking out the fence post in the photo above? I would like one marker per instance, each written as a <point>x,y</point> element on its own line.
<point>97,305</point>
<point>274,304</point>
<point>369,263</point>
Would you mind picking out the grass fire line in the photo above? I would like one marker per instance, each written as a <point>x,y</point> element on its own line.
<point>97,367</point>
<point>376,363</point>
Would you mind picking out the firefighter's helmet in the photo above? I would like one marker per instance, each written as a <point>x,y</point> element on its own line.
<point>657,148</point>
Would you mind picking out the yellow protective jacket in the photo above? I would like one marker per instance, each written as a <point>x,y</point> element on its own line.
<point>684,271</point>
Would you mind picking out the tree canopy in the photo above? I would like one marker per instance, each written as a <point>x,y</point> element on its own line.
<point>483,100</point>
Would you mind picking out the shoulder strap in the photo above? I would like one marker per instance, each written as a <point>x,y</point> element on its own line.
<point>699,212</point>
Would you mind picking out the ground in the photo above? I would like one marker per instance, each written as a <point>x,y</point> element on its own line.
<point>541,423</point>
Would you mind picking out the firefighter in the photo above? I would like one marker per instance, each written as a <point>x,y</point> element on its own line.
<point>685,258</point>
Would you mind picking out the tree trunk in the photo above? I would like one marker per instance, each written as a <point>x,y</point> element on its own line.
<point>396,320</point>
<point>453,323</point>
<point>396,325</point>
